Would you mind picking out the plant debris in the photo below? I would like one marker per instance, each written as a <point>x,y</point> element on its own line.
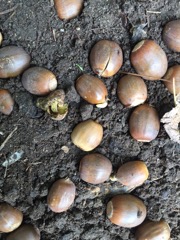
<point>171,121</point>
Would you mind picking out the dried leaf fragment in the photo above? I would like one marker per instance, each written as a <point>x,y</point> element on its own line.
<point>171,122</point>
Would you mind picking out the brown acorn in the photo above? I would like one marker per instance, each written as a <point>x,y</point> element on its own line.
<point>106,58</point>
<point>126,210</point>
<point>92,89</point>
<point>6,102</point>
<point>61,195</point>
<point>149,60</point>
<point>13,61</point>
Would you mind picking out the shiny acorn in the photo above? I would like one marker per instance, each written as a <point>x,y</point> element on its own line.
<point>39,81</point>
<point>87,135</point>
<point>126,210</point>
<point>54,104</point>
<point>132,174</point>
<point>95,168</point>
<point>13,61</point>
<point>149,60</point>
<point>25,232</point>
<point>106,58</point>
<point>61,195</point>
<point>68,9</point>
<point>10,218</point>
<point>171,35</point>
<point>144,123</point>
<point>131,91</point>
<point>6,102</point>
<point>153,230</point>
<point>1,38</point>
<point>173,74</point>
<point>92,89</point>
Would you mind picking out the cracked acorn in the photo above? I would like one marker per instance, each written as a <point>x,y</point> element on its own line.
<point>106,58</point>
<point>93,90</point>
<point>54,104</point>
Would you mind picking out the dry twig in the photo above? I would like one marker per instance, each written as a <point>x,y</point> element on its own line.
<point>7,139</point>
<point>9,10</point>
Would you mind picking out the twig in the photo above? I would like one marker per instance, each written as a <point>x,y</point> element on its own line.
<point>7,139</point>
<point>174,92</point>
<point>9,10</point>
<point>143,76</point>
<point>156,12</point>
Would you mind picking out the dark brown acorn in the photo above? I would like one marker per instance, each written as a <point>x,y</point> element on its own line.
<point>132,174</point>
<point>126,211</point>
<point>39,81</point>
<point>68,9</point>
<point>149,60</point>
<point>173,74</point>
<point>153,230</point>
<point>61,195</point>
<point>13,61</point>
<point>131,91</point>
<point>95,168</point>
<point>144,123</point>
<point>92,89</point>
<point>25,232</point>
<point>6,102</point>
<point>10,218</point>
<point>106,58</point>
<point>171,35</point>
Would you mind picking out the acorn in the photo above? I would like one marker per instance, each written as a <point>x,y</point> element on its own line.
<point>153,230</point>
<point>173,79</point>
<point>144,123</point>
<point>25,232</point>
<point>92,89</point>
<point>126,211</point>
<point>87,135</point>
<point>13,61</point>
<point>149,60</point>
<point>131,91</point>
<point>106,58</point>
<point>10,218</point>
<point>61,195</point>
<point>1,38</point>
<point>54,104</point>
<point>132,174</point>
<point>6,102</point>
<point>171,35</point>
<point>95,168</point>
<point>68,9</point>
<point>39,81</point>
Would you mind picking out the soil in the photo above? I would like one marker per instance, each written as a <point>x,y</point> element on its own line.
<point>60,46</point>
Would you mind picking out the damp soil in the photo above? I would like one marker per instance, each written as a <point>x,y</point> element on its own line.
<point>61,46</point>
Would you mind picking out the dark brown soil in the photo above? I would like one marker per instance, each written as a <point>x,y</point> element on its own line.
<point>26,182</point>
